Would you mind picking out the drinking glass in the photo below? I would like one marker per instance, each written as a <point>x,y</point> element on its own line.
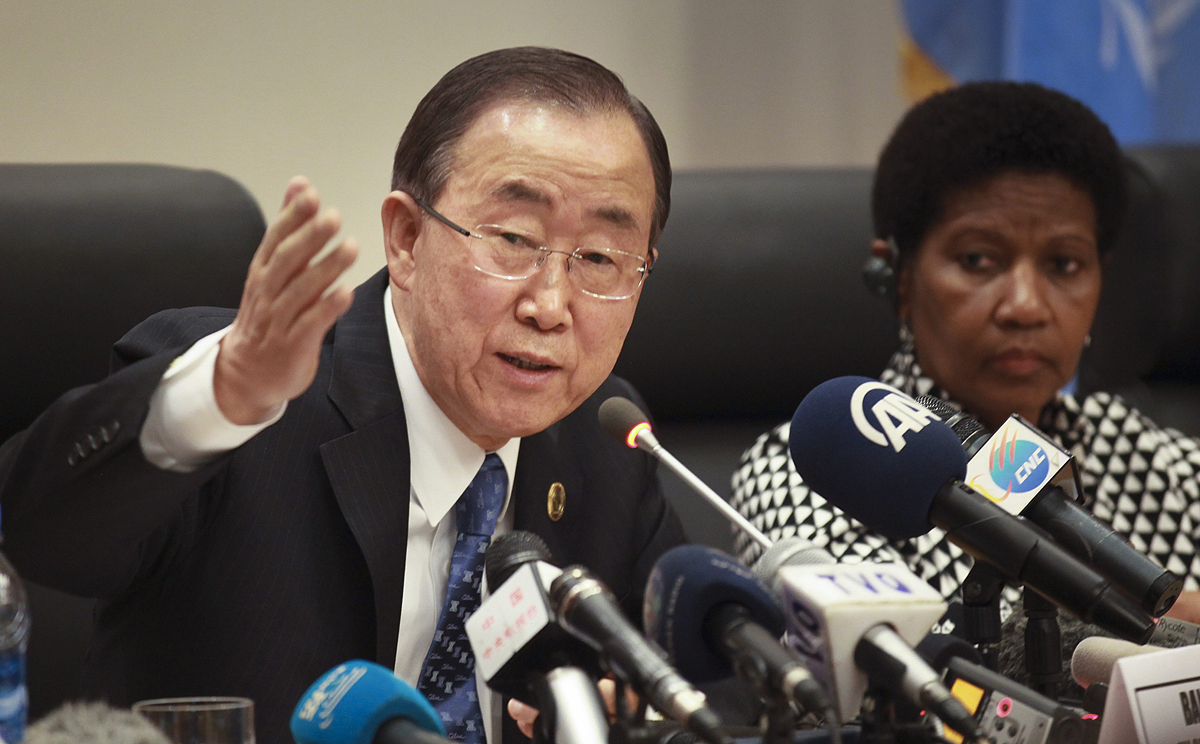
<point>201,720</point>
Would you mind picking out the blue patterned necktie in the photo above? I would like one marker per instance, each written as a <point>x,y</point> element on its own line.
<point>448,675</point>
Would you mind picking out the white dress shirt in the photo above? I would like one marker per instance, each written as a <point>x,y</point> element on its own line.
<point>185,428</point>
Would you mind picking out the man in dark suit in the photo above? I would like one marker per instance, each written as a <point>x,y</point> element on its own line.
<point>259,495</point>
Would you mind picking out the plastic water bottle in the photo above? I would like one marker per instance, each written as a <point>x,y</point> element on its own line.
<point>14,639</point>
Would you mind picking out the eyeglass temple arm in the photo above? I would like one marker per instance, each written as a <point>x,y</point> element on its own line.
<point>437,216</point>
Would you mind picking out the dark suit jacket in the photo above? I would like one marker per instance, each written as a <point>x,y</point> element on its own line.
<point>263,570</point>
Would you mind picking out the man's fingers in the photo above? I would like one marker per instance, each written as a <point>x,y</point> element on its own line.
<point>294,253</point>
<point>301,203</point>
<point>524,715</point>
<point>313,281</point>
<point>316,320</point>
<point>295,186</point>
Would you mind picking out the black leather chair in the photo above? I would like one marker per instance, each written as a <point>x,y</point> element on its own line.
<point>757,298</point>
<point>86,252</point>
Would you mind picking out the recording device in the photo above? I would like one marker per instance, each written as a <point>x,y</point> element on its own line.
<point>621,419</point>
<point>589,611</point>
<point>522,651</point>
<point>1014,714</point>
<point>93,723</point>
<point>714,618</point>
<point>359,702</point>
<point>855,626</point>
<point>1017,467</point>
<point>1173,633</point>
<point>895,466</point>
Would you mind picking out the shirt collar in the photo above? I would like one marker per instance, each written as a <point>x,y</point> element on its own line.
<point>443,460</point>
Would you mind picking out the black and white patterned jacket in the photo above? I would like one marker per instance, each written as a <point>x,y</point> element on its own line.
<point>1142,479</point>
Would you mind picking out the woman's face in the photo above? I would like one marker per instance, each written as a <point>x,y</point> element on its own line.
<point>1001,292</point>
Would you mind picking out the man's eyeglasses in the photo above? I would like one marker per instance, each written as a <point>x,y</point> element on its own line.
<point>506,253</point>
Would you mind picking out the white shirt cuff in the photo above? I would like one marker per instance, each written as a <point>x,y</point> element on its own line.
<point>184,427</point>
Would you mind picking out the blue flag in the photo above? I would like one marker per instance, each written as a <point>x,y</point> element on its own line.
<point>1136,63</point>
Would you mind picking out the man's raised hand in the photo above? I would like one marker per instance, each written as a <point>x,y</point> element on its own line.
<point>270,354</point>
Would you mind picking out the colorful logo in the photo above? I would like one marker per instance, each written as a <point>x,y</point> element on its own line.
<point>1017,465</point>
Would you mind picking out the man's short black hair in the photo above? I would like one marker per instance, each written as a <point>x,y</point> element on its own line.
<point>968,134</point>
<point>571,81</point>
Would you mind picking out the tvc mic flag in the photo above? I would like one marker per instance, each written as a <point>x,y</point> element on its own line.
<point>1136,63</point>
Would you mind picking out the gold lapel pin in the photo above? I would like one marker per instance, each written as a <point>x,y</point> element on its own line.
<point>556,501</point>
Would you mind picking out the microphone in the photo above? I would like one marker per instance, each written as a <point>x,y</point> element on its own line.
<point>714,617</point>
<point>1095,657</point>
<point>889,660</point>
<point>1015,468</point>
<point>790,551</point>
<point>522,651</point>
<point>515,635</point>
<point>588,610</point>
<point>907,477</point>
<point>854,624</point>
<point>621,419</point>
<point>359,702</point>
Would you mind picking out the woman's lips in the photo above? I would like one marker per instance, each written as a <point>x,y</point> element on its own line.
<point>1017,362</point>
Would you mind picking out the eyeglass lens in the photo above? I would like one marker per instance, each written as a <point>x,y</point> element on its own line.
<point>601,271</point>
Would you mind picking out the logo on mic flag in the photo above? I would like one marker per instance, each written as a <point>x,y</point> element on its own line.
<point>1016,464</point>
<point>885,419</point>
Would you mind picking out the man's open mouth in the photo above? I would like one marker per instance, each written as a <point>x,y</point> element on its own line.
<point>520,363</point>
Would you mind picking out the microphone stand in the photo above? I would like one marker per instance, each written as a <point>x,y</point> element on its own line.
<point>781,721</point>
<point>981,611</point>
<point>1043,644</point>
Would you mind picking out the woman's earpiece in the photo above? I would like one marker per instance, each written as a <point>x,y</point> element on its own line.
<point>879,274</point>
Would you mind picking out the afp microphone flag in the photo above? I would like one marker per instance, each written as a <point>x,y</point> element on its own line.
<point>1136,63</point>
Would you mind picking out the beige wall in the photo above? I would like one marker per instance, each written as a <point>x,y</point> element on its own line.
<point>264,90</point>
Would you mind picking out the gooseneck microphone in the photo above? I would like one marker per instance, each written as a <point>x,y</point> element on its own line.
<point>714,618</point>
<point>1074,527</point>
<point>362,703</point>
<point>895,466</point>
<point>621,419</point>
<point>588,609</point>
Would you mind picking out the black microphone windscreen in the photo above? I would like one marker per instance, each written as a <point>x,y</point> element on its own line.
<point>939,648</point>
<point>875,453</point>
<point>510,551</point>
<point>686,583</point>
<point>618,416</point>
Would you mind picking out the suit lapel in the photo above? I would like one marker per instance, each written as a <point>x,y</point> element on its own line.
<point>540,465</point>
<point>369,467</point>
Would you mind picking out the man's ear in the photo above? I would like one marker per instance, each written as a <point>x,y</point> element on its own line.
<point>401,226</point>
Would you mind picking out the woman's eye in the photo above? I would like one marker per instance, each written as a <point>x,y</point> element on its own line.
<point>975,261</point>
<point>1066,265</point>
